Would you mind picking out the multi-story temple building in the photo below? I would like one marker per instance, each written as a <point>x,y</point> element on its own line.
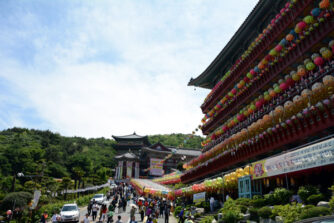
<point>138,158</point>
<point>271,100</point>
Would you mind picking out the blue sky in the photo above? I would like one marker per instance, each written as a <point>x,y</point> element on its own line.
<point>96,68</point>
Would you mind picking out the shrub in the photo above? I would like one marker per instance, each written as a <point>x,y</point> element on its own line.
<point>315,212</point>
<point>231,217</point>
<point>315,198</point>
<point>282,195</point>
<point>243,201</point>
<point>289,213</point>
<point>243,209</point>
<point>177,210</point>
<point>257,197</point>
<point>305,191</point>
<point>331,203</point>
<point>203,204</point>
<point>257,203</point>
<point>253,214</point>
<point>270,199</point>
<point>207,219</point>
<point>197,215</point>
<point>265,212</point>
<point>16,199</point>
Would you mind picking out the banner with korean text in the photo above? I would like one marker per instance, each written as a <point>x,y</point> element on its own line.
<point>129,169</point>
<point>318,154</point>
<point>156,167</point>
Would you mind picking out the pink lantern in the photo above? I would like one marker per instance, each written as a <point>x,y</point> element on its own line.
<point>301,25</point>
<point>319,61</point>
<point>283,86</point>
<point>278,48</point>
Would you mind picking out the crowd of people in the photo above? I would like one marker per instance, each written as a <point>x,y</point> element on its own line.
<point>150,209</point>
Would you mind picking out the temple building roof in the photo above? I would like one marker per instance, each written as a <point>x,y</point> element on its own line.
<point>160,148</point>
<point>131,140</point>
<point>251,27</point>
<point>127,156</point>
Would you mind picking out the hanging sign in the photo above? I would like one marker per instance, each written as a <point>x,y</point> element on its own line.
<point>156,167</point>
<point>129,169</point>
<point>199,197</point>
<point>319,154</point>
<point>37,195</point>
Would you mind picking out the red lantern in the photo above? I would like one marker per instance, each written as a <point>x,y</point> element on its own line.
<point>283,86</point>
<point>319,61</point>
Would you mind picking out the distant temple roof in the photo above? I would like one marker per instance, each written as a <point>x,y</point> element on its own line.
<point>247,32</point>
<point>131,138</point>
<point>128,156</point>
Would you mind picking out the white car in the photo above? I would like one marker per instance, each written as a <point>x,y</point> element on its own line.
<point>99,198</point>
<point>70,213</point>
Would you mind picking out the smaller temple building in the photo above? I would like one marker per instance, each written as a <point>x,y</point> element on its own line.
<point>128,166</point>
<point>137,158</point>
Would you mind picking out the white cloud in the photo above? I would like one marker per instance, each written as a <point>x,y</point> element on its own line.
<point>115,67</point>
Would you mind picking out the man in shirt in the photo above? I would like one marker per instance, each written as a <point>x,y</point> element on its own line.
<point>212,203</point>
<point>132,212</point>
<point>86,220</point>
<point>55,217</point>
<point>133,219</point>
<point>95,208</point>
<point>119,219</point>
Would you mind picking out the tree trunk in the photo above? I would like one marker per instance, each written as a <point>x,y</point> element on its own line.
<point>13,183</point>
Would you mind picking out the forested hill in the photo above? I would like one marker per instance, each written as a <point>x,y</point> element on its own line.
<point>36,152</point>
<point>176,140</point>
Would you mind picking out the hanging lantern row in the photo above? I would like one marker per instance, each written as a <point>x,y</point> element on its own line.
<point>281,86</point>
<point>145,190</point>
<point>171,178</point>
<point>228,181</point>
<point>317,61</point>
<point>278,121</point>
<point>319,91</point>
<point>302,29</point>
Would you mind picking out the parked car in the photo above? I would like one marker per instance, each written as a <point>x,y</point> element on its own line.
<point>70,213</point>
<point>99,198</point>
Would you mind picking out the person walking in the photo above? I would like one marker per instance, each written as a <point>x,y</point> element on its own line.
<point>44,217</point>
<point>120,205</point>
<point>142,213</point>
<point>132,212</point>
<point>212,203</point>
<point>162,207</point>
<point>86,219</point>
<point>119,219</point>
<point>181,216</point>
<point>89,207</point>
<point>189,219</point>
<point>124,203</point>
<point>167,212</point>
<point>55,217</point>
<point>110,216</point>
<point>133,219</point>
<point>103,214</point>
<point>95,208</point>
